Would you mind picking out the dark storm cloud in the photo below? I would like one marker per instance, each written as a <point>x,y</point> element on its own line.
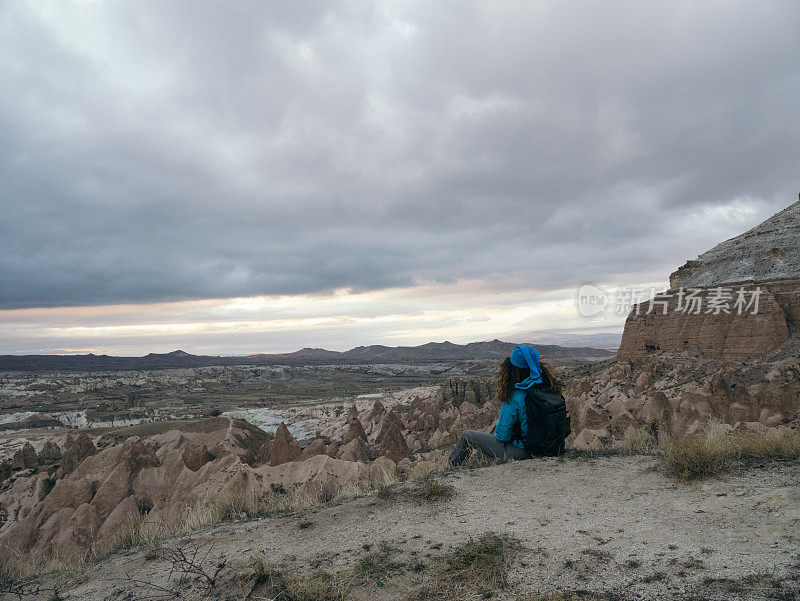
<point>163,151</point>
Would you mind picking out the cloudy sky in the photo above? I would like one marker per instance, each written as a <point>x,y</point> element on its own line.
<point>231,177</point>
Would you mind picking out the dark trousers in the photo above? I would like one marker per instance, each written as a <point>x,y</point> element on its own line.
<point>487,444</point>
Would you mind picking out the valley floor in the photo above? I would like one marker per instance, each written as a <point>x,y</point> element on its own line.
<point>614,527</point>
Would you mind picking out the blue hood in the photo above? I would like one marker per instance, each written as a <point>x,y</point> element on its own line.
<point>526,356</point>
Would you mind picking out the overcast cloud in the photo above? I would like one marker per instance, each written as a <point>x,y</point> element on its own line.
<point>164,151</point>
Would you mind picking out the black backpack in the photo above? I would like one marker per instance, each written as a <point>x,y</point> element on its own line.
<point>548,421</point>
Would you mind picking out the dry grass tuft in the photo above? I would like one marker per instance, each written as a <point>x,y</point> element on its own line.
<point>692,457</point>
<point>638,442</point>
<point>288,583</point>
<point>424,490</point>
<point>757,585</point>
<point>429,490</point>
<point>562,596</point>
<point>377,566</point>
<point>478,567</point>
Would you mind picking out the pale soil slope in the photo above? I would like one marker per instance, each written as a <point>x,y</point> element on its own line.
<point>598,516</point>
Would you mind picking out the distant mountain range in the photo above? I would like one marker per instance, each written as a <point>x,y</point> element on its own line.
<point>604,340</point>
<point>432,352</point>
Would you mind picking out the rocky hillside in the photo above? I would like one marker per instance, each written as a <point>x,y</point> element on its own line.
<point>769,251</point>
<point>624,532</point>
<point>676,369</point>
<point>68,498</point>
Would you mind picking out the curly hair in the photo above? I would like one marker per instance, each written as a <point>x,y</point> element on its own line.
<point>509,374</point>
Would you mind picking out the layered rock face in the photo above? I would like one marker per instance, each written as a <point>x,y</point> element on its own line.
<point>665,325</point>
<point>710,306</point>
<point>677,368</point>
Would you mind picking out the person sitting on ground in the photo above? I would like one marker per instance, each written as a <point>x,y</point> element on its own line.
<point>533,417</point>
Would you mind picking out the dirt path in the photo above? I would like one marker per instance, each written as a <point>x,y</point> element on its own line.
<point>613,525</point>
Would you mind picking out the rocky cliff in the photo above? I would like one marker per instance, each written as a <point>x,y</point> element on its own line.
<point>769,251</point>
<point>739,300</point>
<point>691,355</point>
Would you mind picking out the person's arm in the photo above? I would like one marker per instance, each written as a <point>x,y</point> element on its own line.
<point>505,423</point>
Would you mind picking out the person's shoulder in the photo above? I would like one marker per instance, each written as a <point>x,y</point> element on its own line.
<point>518,396</point>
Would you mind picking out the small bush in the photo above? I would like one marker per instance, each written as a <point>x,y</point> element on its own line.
<point>480,566</point>
<point>757,585</point>
<point>697,456</point>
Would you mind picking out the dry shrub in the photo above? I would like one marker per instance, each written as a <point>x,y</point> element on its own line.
<point>423,490</point>
<point>696,456</point>
<point>478,567</point>
<point>136,531</point>
<point>574,453</point>
<point>638,441</point>
<point>288,583</point>
<point>429,490</point>
<point>377,566</point>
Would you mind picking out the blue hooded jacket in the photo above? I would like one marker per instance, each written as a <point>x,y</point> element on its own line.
<point>513,411</point>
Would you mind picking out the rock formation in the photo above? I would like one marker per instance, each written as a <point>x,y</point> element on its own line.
<point>98,488</point>
<point>284,447</point>
<point>710,306</point>
<point>95,495</point>
<point>392,443</point>
<point>196,455</point>
<point>50,452</point>
<point>79,450</point>
<point>769,251</point>
<point>317,447</point>
<point>24,458</point>
<point>676,369</point>
<point>355,431</point>
<point>355,450</point>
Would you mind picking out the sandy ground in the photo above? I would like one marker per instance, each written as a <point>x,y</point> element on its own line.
<point>611,525</point>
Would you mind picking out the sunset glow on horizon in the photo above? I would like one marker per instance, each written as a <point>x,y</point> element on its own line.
<point>339,321</point>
